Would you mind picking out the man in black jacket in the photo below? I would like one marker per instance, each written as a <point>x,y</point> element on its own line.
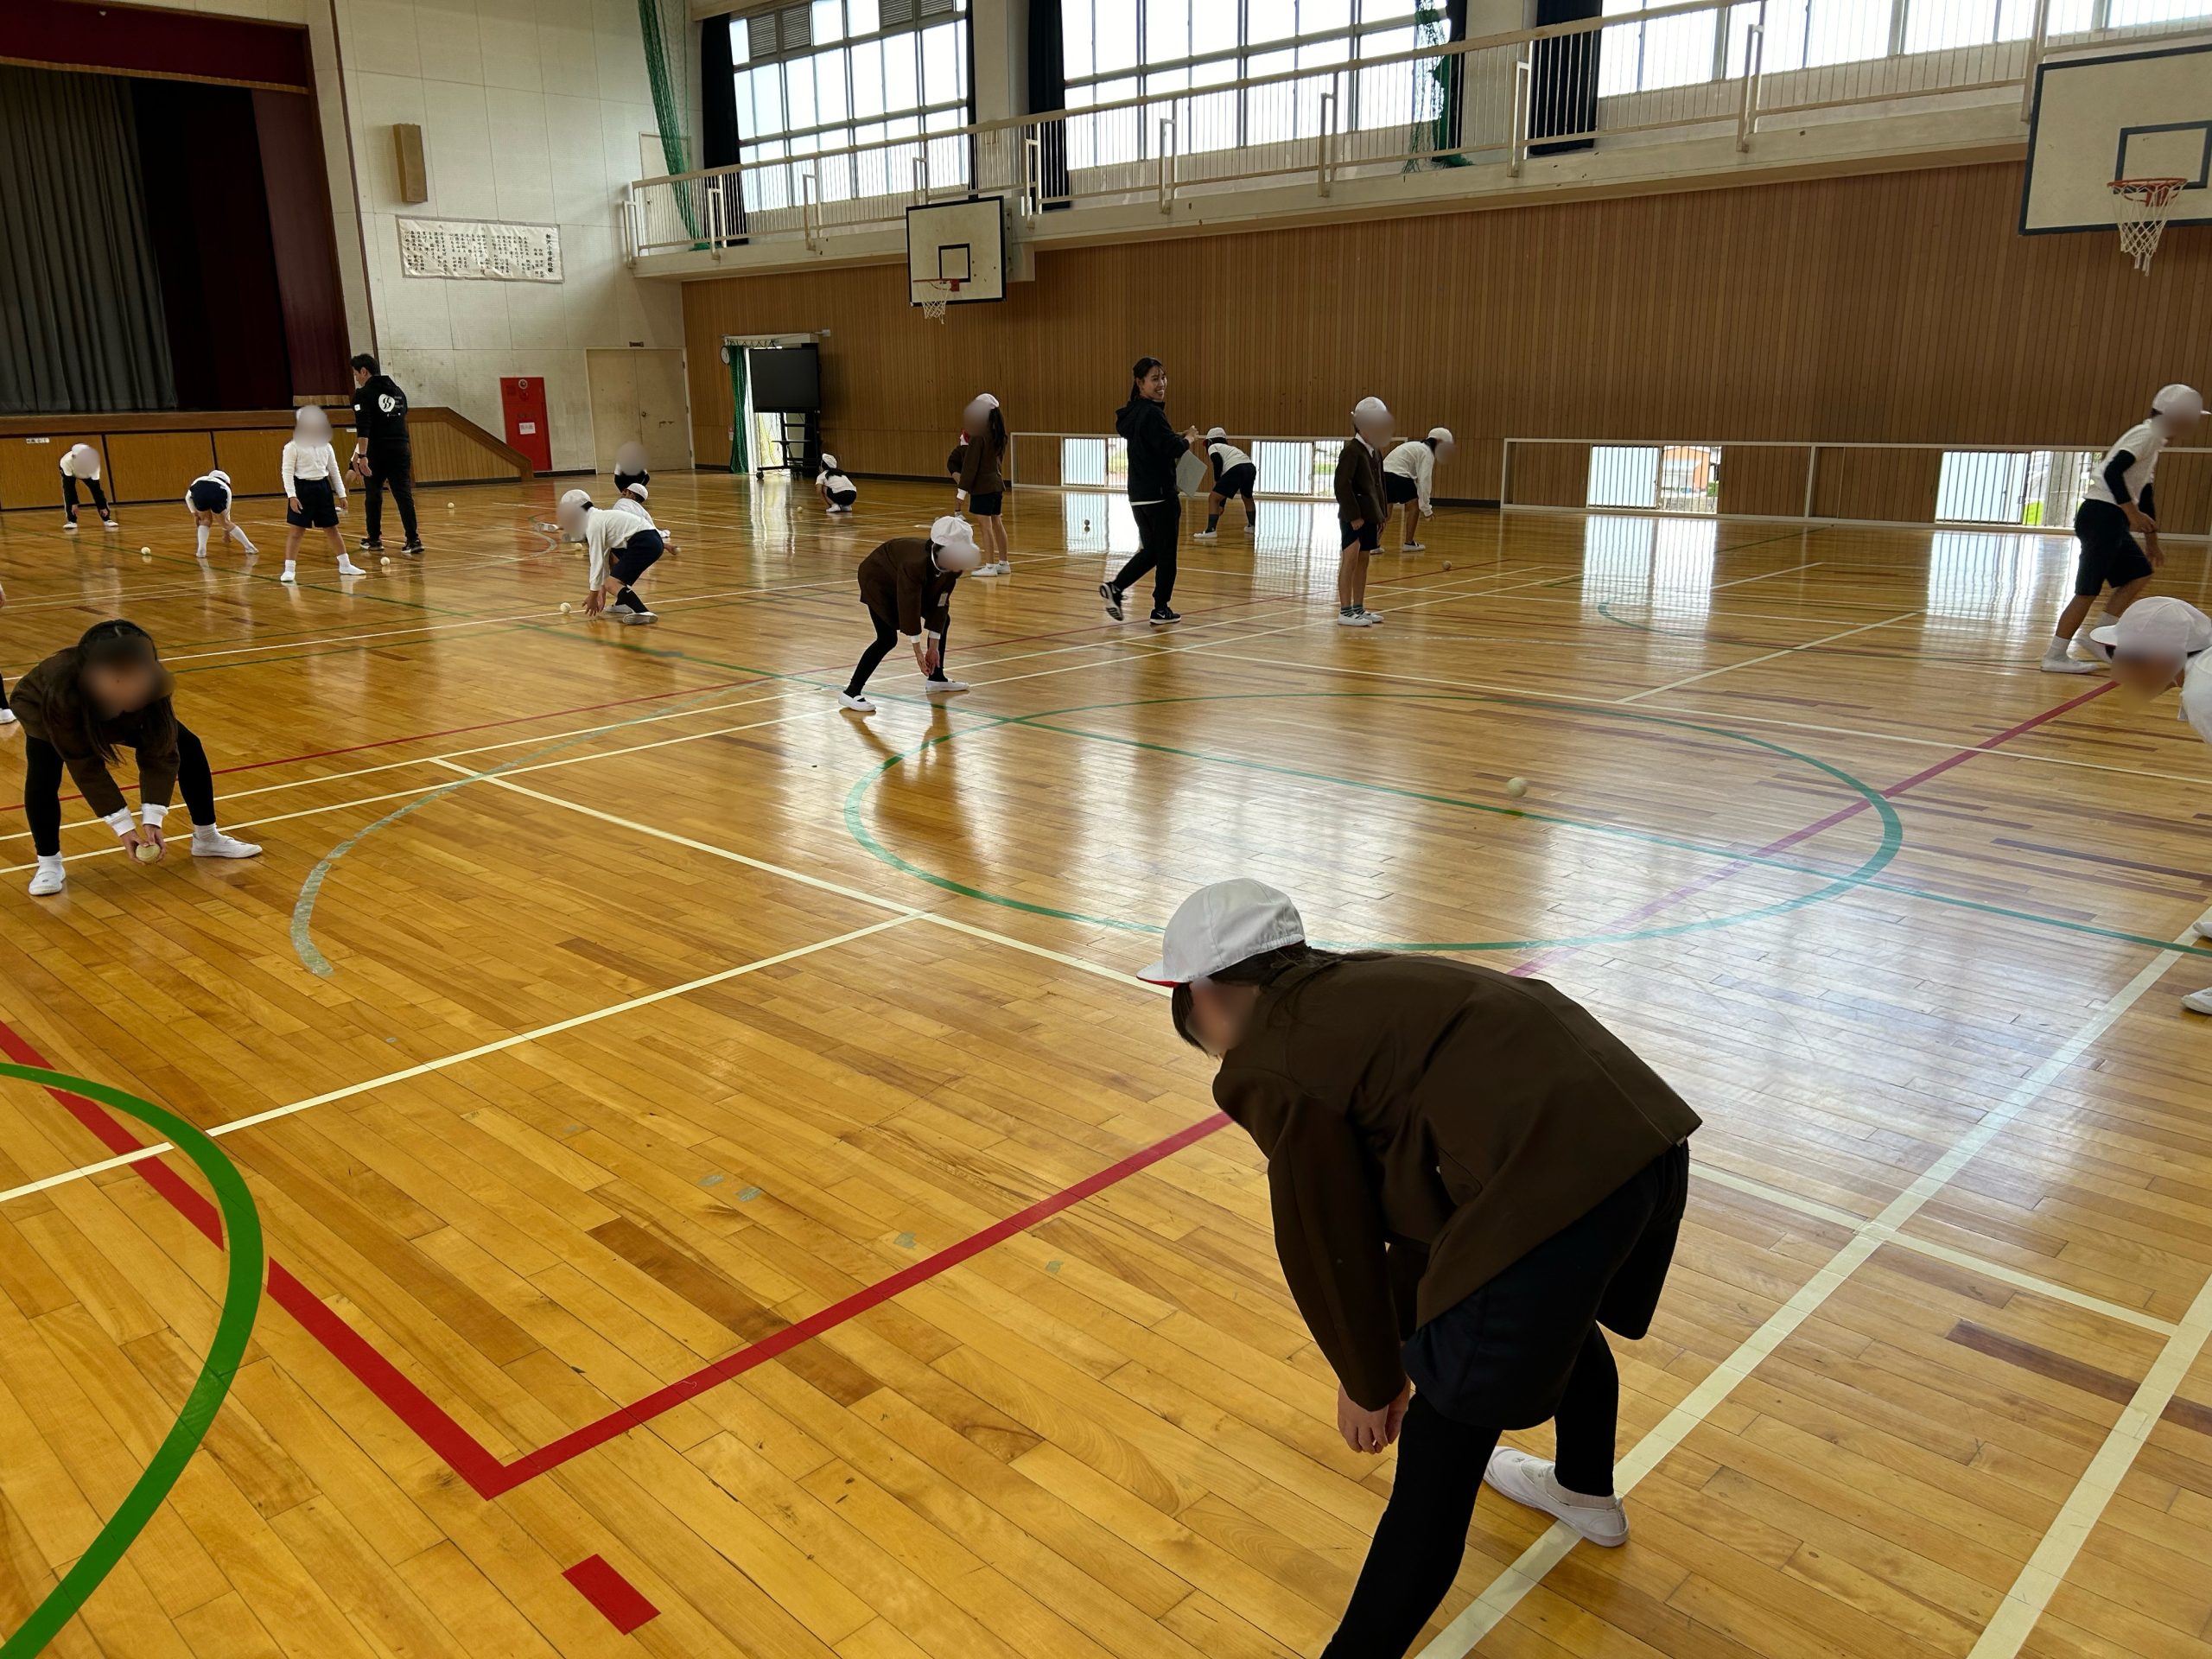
<point>381,452</point>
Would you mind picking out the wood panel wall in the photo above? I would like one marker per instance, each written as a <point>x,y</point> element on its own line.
<point>1898,307</point>
<point>154,457</point>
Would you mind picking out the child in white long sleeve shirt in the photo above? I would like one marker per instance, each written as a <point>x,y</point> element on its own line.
<point>208,499</point>
<point>1408,472</point>
<point>623,544</point>
<point>314,491</point>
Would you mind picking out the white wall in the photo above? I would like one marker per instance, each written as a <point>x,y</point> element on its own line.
<point>531,110</point>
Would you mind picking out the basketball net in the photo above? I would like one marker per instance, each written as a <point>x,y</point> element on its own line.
<point>941,292</point>
<point>2143,205</point>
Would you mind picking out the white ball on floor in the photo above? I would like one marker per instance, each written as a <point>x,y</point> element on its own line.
<point>386,559</point>
<point>1447,564</point>
<point>449,507</point>
<point>564,608</point>
<point>146,552</point>
<point>1517,787</point>
<point>147,852</point>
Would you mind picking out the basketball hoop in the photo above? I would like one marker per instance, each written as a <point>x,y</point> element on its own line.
<point>940,292</point>
<point>2143,205</point>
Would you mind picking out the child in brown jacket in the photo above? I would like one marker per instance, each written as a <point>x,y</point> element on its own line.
<point>1361,510</point>
<point>983,481</point>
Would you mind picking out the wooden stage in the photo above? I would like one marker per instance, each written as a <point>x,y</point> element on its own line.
<point>720,1183</point>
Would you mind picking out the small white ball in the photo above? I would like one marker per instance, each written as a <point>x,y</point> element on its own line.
<point>386,559</point>
<point>1517,787</point>
<point>147,852</point>
<point>449,507</point>
<point>146,552</point>
<point>1447,564</point>
<point>565,608</point>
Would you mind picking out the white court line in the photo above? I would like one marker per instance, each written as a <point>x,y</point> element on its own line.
<point>1742,581</point>
<point>1753,662</point>
<point>1536,695</point>
<point>2023,1604</point>
<point>1504,1593</point>
<point>476,1053</point>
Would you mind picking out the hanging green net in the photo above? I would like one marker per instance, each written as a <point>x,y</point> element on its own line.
<point>665,26</point>
<point>1436,85</point>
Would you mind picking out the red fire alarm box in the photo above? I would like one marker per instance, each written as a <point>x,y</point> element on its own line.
<point>523,404</point>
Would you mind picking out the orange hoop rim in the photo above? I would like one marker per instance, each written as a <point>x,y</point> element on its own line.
<point>2153,193</point>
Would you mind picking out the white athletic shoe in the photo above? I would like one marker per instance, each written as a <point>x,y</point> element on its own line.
<point>110,525</point>
<point>69,526</point>
<point>1413,547</point>
<point>1373,617</point>
<point>2091,651</point>
<point>2056,661</point>
<point>1205,536</point>
<point>290,573</point>
<point>7,716</point>
<point>1355,620</point>
<point>2204,925</point>
<point>2196,1001</point>
<point>1112,596</point>
<point>208,841</point>
<point>944,688</point>
<point>348,568</point>
<point>49,879</point>
<point>1529,1481</point>
<point>858,705</point>
<point>628,618</point>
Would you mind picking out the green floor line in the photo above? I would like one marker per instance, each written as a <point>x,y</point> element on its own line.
<point>233,1328</point>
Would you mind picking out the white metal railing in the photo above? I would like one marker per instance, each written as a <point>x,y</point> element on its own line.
<point>2034,486</point>
<point>1697,68</point>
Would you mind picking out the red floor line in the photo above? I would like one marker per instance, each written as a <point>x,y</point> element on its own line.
<point>1850,809</point>
<point>620,1602</point>
<point>437,1429</point>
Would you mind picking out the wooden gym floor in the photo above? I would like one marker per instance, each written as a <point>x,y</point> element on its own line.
<point>716,1171</point>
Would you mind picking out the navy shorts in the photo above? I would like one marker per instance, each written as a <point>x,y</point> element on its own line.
<point>1367,537</point>
<point>1238,480</point>
<point>317,508</point>
<point>1501,1358</point>
<point>2111,556</point>
<point>843,498</point>
<point>985,506</point>
<point>637,556</point>
<point>208,496</point>
<point>1397,487</point>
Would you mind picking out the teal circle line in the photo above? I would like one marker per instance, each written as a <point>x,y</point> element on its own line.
<point>1892,827</point>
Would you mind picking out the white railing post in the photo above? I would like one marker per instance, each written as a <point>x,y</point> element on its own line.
<point>1328,134</point>
<point>1032,173</point>
<point>1167,163</point>
<point>922,177</point>
<point>808,230</point>
<point>1517,139</point>
<point>630,236</point>
<point>1812,475</point>
<point>717,221</point>
<point>2038,42</point>
<point>1747,118</point>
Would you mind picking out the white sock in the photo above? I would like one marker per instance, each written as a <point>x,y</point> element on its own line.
<point>202,550</point>
<point>2058,647</point>
<point>239,536</point>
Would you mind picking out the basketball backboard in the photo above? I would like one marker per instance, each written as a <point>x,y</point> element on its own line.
<point>2123,115</point>
<point>961,242</point>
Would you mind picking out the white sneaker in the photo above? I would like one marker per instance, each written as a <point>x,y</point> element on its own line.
<point>208,841</point>
<point>944,688</point>
<point>1354,620</point>
<point>2091,651</point>
<point>2056,661</point>
<point>2196,1001</point>
<point>7,716</point>
<point>110,525</point>
<point>1205,536</point>
<point>1373,617</point>
<point>348,568</point>
<point>290,574</point>
<point>69,526</point>
<point>1529,1481</point>
<point>50,878</point>
<point>1413,547</point>
<point>2204,925</point>
<point>858,705</point>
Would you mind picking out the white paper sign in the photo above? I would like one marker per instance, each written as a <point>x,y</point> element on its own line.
<point>477,249</point>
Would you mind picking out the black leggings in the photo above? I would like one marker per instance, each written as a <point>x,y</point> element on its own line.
<point>1158,523</point>
<point>69,496</point>
<point>397,473</point>
<point>1423,1534</point>
<point>887,635</point>
<point>42,769</point>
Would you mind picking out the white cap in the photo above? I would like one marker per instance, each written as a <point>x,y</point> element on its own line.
<point>1219,926</point>
<point>635,492</point>
<point>983,399</point>
<point>1215,435</point>
<point>2158,627</point>
<point>569,514</point>
<point>829,463</point>
<point>574,499</point>
<point>955,544</point>
<point>1440,435</point>
<point>2178,404</point>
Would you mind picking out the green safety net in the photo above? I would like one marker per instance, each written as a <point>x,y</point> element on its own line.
<point>1436,86</point>
<point>665,27</point>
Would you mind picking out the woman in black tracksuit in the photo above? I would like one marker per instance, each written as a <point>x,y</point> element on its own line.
<point>1155,501</point>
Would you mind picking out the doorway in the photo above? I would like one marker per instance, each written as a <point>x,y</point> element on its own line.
<point>639,396</point>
